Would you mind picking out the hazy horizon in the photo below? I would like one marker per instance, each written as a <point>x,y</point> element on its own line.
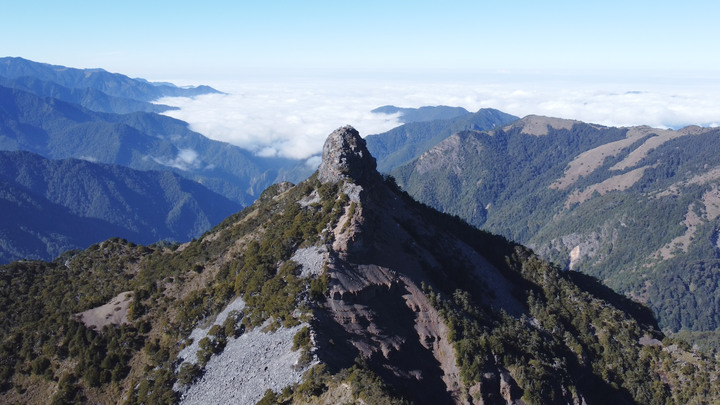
<point>291,116</point>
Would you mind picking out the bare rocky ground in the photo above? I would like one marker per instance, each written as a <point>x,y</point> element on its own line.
<point>249,365</point>
<point>246,368</point>
<point>189,353</point>
<point>113,313</point>
<point>616,183</point>
<point>538,125</point>
<point>253,362</point>
<point>311,259</point>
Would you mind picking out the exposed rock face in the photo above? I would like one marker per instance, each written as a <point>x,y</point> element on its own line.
<point>377,263</point>
<point>381,255</point>
<point>346,156</point>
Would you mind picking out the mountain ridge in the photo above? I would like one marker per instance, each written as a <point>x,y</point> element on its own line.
<point>406,142</point>
<point>89,98</point>
<point>113,84</point>
<point>584,195</point>
<point>421,114</point>
<point>388,299</point>
<point>359,292</point>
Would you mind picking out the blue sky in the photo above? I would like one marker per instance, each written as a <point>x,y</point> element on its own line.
<point>224,38</point>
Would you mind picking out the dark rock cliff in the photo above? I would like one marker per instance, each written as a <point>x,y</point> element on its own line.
<point>345,155</point>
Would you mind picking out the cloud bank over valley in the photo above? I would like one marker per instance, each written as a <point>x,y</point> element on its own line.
<point>291,118</point>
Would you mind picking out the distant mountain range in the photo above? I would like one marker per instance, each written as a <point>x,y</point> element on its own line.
<point>143,141</point>
<point>63,113</point>
<point>50,206</point>
<point>406,142</point>
<point>422,114</point>
<point>111,84</point>
<point>96,116</point>
<point>638,207</point>
<point>90,98</point>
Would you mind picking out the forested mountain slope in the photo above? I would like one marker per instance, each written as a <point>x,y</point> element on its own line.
<point>349,291</point>
<point>51,206</point>
<point>636,207</point>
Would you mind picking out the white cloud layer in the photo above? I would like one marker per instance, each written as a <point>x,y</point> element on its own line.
<point>292,118</point>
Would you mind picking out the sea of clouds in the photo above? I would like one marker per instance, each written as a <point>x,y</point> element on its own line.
<point>292,117</point>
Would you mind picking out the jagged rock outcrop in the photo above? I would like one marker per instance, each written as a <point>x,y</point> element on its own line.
<point>376,307</point>
<point>345,155</point>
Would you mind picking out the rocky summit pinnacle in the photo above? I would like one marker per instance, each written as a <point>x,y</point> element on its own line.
<point>345,155</point>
